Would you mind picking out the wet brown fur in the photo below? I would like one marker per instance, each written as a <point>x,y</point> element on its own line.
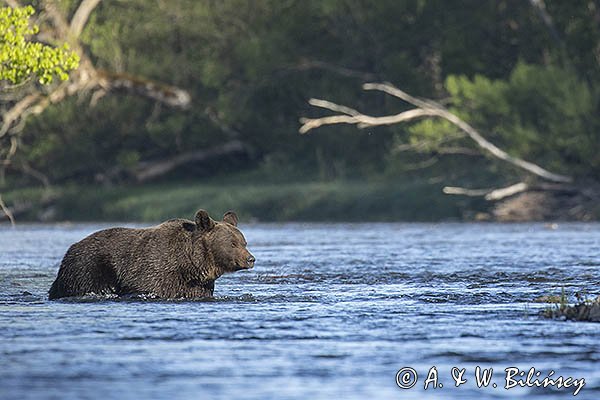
<point>176,259</point>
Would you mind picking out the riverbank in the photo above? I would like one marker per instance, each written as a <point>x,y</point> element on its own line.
<point>256,199</point>
<point>284,201</point>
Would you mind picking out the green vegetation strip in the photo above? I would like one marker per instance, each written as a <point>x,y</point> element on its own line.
<point>307,201</point>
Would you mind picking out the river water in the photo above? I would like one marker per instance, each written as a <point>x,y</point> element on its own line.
<point>330,311</point>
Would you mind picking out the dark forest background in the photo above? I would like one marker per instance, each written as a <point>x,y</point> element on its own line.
<point>526,74</point>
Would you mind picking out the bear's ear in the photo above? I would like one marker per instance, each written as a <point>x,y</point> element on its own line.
<point>231,218</point>
<point>204,223</point>
<point>189,226</point>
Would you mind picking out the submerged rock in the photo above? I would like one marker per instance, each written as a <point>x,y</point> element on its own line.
<point>586,311</point>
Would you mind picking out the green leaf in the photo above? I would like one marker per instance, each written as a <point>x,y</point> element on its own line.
<point>20,58</point>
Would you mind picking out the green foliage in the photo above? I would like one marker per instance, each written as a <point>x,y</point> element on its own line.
<point>112,138</point>
<point>542,113</point>
<point>251,66</point>
<point>21,58</point>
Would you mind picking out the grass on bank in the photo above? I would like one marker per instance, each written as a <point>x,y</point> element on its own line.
<point>291,201</point>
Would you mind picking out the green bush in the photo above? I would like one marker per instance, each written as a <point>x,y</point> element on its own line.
<point>21,58</point>
<point>544,114</point>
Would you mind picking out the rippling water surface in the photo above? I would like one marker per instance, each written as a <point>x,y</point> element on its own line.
<point>330,311</point>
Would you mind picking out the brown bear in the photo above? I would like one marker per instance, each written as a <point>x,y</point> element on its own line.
<point>176,259</point>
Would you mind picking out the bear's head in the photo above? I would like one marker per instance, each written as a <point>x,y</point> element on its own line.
<point>223,241</point>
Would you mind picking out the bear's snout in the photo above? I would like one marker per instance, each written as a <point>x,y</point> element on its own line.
<point>250,261</point>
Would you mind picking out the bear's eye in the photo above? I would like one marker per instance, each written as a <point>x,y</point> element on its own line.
<point>233,245</point>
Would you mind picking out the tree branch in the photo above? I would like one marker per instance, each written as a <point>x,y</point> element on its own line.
<point>12,3</point>
<point>84,79</point>
<point>167,94</point>
<point>489,194</point>
<point>465,192</point>
<point>17,111</point>
<point>540,8</point>
<point>26,168</point>
<point>149,170</point>
<point>7,212</point>
<point>328,105</point>
<point>361,120</point>
<point>81,16</point>
<point>425,108</point>
<point>439,110</point>
<point>498,194</point>
<point>60,23</point>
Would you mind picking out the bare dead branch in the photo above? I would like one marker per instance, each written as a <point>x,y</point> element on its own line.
<point>21,101</point>
<point>36,174</point>
<point>12,3</point>
<point>14,92</point>
<point>363,121</point>
<point>150,170</point>
<point>86,77</point>
<point>442,112</point>
<point>489,194</point>
<point>498,194</point>
<point>169,95</point>
<point>540,8</point>
<point>495,194</point>
<point>60,23</point>
<point>425,108</point>
<point>465,191</point>
<point>219,123</point>
<point>12,115</point>
<point>96,96</point>
<point>394,91</point>
<point>7,212</point>
<point>308,124</point>
<point>328,105</point>
<point>36,103</point>
<point>13,147</point>
<point>81,16</point>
